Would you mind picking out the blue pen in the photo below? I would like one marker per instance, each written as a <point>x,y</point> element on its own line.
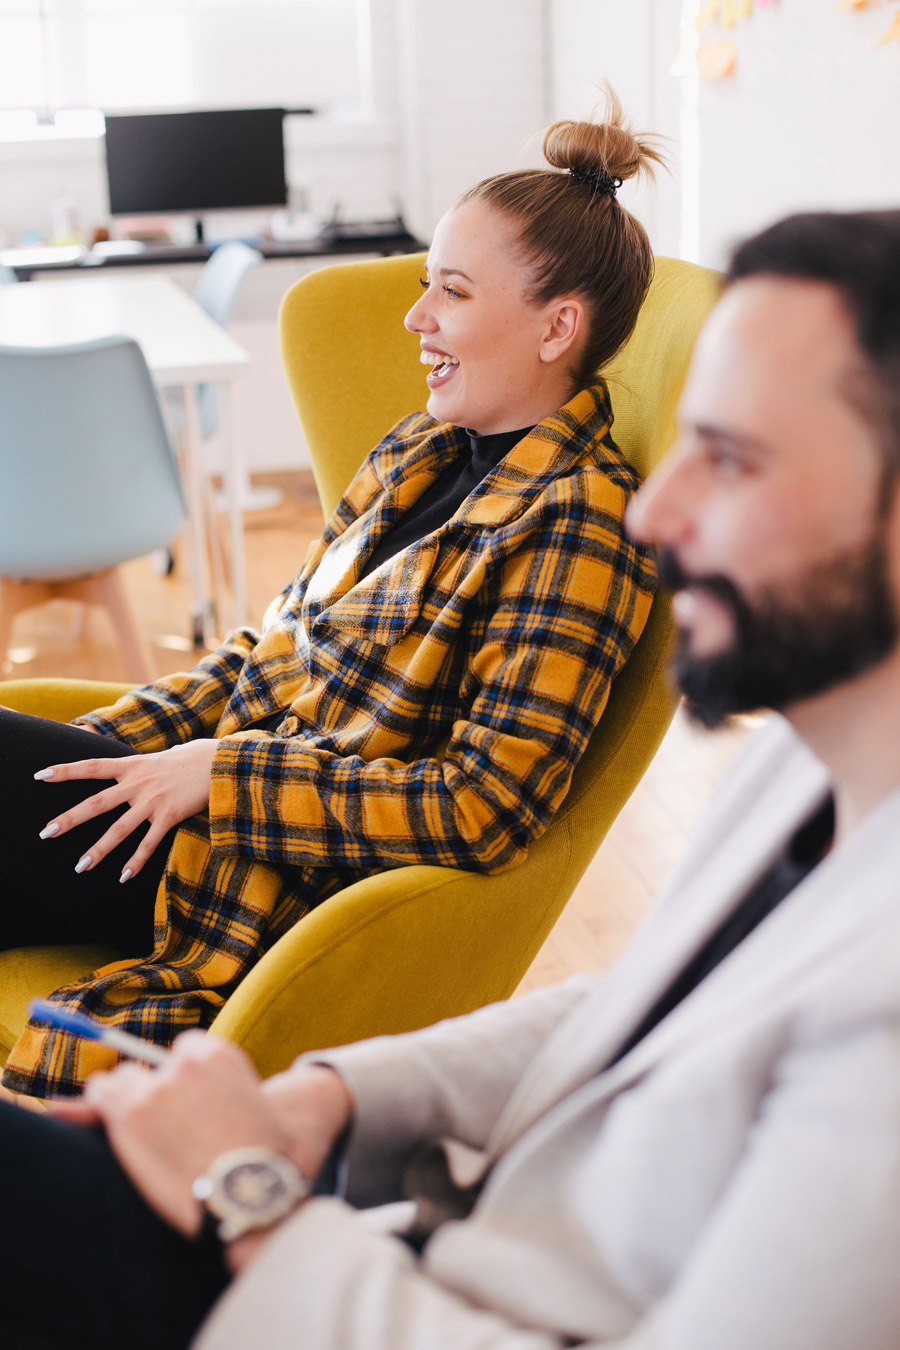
<point>80,1025</point>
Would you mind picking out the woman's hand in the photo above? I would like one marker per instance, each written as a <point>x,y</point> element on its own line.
<point>166,1125</point>
<point>163,788</point>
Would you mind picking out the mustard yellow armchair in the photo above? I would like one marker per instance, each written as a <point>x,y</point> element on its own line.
<point>402,949</point>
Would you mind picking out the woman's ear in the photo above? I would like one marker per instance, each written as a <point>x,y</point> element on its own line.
<point>565,325</point>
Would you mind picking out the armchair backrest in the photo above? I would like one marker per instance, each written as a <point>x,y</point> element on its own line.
<point>405,947</point>
<point>354,370</point>
<point>352,367</point>
<point>421,943</point>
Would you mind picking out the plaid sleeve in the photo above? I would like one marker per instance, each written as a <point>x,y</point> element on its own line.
<point>560,615</point>
<point>190,704</point>
<point>181,707</point>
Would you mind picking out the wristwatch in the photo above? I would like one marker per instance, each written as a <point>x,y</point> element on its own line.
<point>247,1189</point>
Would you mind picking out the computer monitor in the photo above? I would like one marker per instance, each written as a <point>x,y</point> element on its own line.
<point>192,162</point>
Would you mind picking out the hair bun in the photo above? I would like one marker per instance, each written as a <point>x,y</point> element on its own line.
<point>570,235</point>
<point>608,148</point>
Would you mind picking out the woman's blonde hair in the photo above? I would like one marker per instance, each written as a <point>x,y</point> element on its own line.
<point>574,236</point>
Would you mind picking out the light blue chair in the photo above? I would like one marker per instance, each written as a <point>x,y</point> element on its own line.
<point>215,292</point>
<point>88,480</point>
<point>221,279</point>
<point>7,275</point>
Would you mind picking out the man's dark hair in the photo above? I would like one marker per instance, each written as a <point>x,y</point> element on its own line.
<point>858,253</point>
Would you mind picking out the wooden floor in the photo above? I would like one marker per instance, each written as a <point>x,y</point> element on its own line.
<point>631,865</point>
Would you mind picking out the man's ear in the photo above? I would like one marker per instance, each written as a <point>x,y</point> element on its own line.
<point>565,326</point>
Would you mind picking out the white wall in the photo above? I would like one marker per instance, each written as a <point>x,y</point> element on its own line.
<point>629,44</point>
<point>474,82</point>
<point>452,98</point>
<point>808,120</point>
<point>354,167</point>
<point>449,102</point>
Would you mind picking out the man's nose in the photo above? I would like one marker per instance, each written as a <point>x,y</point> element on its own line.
<point>660,512</point>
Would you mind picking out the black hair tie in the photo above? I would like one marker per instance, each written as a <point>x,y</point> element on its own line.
<point>601,183</point>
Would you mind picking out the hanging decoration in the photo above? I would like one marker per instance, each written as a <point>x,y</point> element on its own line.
<point>716,60</point>
<point>714,55</point>
<point>892,34</point>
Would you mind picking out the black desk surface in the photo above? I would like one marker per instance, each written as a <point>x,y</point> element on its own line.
<point>366,237</point>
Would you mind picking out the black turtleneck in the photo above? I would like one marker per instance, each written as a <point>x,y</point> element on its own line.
<point>446,494</point>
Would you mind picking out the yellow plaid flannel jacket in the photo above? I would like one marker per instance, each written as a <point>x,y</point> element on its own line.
<point>432,713</point>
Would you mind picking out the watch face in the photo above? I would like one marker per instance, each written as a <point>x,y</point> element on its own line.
<point>254,1186</point>
<point>250,1188</point>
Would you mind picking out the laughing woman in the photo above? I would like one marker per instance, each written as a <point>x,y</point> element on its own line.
<point>421,692</point>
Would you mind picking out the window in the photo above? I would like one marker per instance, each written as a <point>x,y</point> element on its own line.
<point>158,54</point>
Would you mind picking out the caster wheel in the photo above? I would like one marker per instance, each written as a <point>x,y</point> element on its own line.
<point>163,562</point>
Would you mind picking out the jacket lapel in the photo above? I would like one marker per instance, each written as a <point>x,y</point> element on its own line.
<point>839,903</point>
<point>551,449</point>
<point>340,565</point>
<point>843,903</point>
<point>775,788</point>
<point>384,606</point>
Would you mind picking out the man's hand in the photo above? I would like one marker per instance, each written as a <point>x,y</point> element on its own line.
<point>314,1107</point>
<point>166,1125</point>
<point>163,788</point>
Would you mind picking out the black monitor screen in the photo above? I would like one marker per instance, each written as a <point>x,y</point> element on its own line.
<point>195,161</point>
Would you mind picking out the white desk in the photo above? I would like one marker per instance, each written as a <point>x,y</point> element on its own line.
<point>183,347</point>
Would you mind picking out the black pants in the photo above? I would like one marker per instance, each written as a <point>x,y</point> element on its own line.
<point>86,1265</point>
<point>42,898</point>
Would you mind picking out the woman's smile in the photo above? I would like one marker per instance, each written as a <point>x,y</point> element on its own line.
<point>444,366</point>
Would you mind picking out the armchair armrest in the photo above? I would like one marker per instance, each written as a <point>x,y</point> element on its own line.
<point>61,699</point>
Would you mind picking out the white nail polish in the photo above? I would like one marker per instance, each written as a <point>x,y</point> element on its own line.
<point>126,875</point>
<point>49,831</point>
<point>83,863</point>
<point>44,773</point>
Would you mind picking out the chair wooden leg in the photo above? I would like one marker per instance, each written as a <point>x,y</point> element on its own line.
<point>218,561</point>
<point>16,596</point>
<point>7,614</point>
<point>79,618</point>
<point>106,588</point>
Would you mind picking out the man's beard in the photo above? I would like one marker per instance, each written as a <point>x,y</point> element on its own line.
<point>837,620</point>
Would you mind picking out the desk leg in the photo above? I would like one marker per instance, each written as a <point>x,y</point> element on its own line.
<point>233,483</point>
<point>202,617</point>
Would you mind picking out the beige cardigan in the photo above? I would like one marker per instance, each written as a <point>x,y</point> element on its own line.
<point>731,1184</point>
